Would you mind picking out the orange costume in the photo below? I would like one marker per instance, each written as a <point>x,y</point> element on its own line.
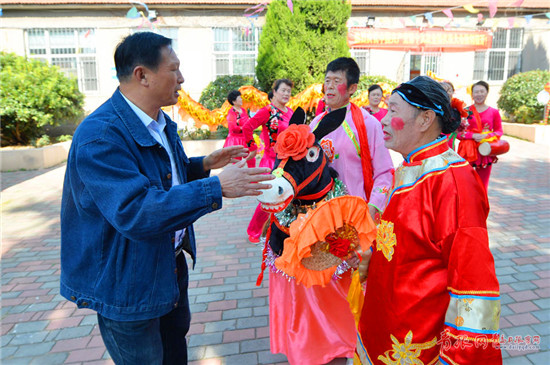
<point>432,293</point>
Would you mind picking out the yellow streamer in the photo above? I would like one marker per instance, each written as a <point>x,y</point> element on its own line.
<point>254,99</point>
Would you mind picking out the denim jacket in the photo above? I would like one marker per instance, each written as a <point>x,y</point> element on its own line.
<point>119,213</point>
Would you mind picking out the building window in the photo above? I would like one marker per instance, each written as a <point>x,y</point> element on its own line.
<point>503,60</point>
<point>362,57</point>
<point>73,50</point>
<point>235,51</point>
<point>421,63</point>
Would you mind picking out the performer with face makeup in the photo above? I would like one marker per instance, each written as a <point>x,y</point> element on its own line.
<point>432,295</point>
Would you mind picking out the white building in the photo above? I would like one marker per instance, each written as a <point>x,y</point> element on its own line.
<point>215,38</point>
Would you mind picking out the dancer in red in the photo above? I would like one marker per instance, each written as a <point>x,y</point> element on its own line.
<point>432,294</point>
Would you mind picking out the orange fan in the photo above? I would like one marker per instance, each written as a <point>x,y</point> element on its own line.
<point>325,237</point>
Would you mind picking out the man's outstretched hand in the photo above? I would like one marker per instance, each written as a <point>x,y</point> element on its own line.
<point>238,180</point>
<point>224,156</point>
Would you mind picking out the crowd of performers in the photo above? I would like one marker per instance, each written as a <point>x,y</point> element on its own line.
<point>429,285</point>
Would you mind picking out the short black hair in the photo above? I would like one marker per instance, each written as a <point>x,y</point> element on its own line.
<point>279,82</point>
<point>139,49</point>
<point>270,95</point>
<point>438,96</point>
<point>375,87</point>
<point>232,96</point>
<point>481,83</point>
<point>348,66</point>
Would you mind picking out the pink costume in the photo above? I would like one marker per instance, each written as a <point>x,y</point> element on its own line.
<point>273,121</point>
<point>315,325</point>
<point>235,122</point>
<point>490,122</point>
<point>379,114</point>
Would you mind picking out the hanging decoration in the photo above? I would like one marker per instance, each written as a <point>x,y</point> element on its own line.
<point>518,3</point>
<point>511,21</point>
<point>470,8</point>
<point>492,8</point>
<point>290,6</point>
<point>429,17</point>
<point>254,11</point>
<point>449,13</point>
<point>480,18</point>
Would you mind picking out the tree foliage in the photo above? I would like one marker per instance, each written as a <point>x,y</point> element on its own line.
<point>299,46</point>
<point>34,95</point>
<point>368,80</point>
<point>215,94</point>
<point>518,96</point>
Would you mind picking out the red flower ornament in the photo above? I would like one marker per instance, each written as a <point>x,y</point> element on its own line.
<point>294,142</point>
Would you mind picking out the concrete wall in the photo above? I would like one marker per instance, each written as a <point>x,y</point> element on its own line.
<point>536,133</point>
<point>33,158</point>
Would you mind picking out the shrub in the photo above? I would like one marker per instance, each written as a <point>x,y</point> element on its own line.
<point>33,95</point>
<point>366,81</point>
<point>221,132</point>
<point>65,138</point>
<point>215,94</point>
<point>298,46</point>
<point>192,133</point>
<point>518,96</point>
<point>44,140</point>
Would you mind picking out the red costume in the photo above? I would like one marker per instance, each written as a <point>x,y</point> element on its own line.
<point>432,292</point>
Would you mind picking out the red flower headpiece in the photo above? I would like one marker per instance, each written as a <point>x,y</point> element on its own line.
<point>460,106</point>
<point>294,142</point>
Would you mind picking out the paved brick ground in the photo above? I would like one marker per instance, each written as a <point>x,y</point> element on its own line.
<point>230,316</point>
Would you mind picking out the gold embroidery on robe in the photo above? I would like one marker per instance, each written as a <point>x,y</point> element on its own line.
<point>385,239</point>
<point>406,352</point>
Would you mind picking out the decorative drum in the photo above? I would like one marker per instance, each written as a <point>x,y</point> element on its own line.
<point>494,148</point>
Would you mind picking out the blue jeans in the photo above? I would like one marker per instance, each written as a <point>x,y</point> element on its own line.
<point>154,341</point>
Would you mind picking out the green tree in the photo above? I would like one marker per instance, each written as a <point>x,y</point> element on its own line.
<point>299,46</point>
<point>518,96</point>
<point>34,95</point>
<point>215,94</point>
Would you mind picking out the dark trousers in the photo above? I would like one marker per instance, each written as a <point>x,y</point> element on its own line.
<point>153,341</point>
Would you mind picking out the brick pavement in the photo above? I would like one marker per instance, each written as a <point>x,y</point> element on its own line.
<point>230,316</point>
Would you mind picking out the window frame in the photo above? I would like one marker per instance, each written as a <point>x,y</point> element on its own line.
<point>365,53</point>
<point>484,58</point>
<point>77,56</point>
<point>230,55</point>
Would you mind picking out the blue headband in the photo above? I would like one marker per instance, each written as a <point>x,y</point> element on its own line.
<point>414,96</point>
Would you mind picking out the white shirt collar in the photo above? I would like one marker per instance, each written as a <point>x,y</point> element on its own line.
<point>147,121</point>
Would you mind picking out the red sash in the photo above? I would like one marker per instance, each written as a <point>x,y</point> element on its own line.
<point>366,163</point>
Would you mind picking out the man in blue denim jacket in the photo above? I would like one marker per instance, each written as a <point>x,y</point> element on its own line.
<point>130,198</point>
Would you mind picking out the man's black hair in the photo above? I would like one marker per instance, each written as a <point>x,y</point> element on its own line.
<point>139,49</point>
<point>348,66</point>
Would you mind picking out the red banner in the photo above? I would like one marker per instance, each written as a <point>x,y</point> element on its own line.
<point>428,39</point>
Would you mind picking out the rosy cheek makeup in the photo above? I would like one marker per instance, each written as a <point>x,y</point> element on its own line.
<point>397,123</point>
<point>342,89</point>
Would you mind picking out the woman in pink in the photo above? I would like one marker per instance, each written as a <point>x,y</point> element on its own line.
<point>236,118</point>
<point>483,123</point>
<point>375,97</point>
<point>274,119</point>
